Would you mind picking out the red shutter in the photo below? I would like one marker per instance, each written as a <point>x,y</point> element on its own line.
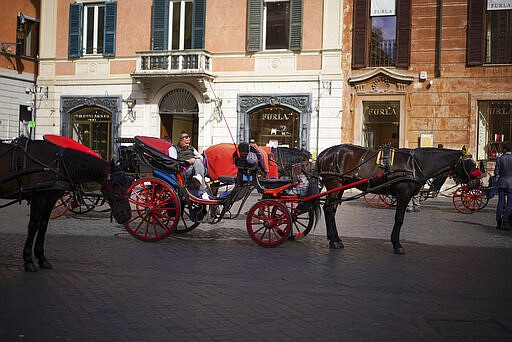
<point>403,39</point>
<point>360,34</point>
<point>475,33</point>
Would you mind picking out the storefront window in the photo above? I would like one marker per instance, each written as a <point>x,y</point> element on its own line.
<point>494,127</point>
<point>381,123</point>
<point>274,126</point>
<point>91,127</point>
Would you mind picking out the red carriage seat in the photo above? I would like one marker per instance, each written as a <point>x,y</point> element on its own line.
<point>66,142</point>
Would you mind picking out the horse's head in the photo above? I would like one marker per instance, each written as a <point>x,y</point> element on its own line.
<point>466,170</point>
<point>115,192</point>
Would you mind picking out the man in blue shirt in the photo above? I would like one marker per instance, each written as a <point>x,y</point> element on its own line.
<point>503,172</point>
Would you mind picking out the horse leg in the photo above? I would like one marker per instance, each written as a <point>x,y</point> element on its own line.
<point>28,263</point>
<point>399,220</point>
<point>330,224</point>
<point>45,209</point>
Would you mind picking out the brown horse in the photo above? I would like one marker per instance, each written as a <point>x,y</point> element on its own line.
<point>403,173</point>
<point>39,172</point>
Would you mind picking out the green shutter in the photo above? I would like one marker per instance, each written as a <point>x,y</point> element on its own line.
<point>109,35</point>
<point>296,10</point>
<point>198,22</point>
<point>160,25</point>
<point>254,18</point>
<point>75,34</point>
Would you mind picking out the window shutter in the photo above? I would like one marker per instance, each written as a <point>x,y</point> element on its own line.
<point>20,40</point>
<point>160,25</point>
<point>475,33</point>
<point>296,10</point>
<point>109,38</point>
<point>254,18</point>
<point>360,34</point>
<point>75,34</point>
<point>403,39</point>
<point>198,24</point>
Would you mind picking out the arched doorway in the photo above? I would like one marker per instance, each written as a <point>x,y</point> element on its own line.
<point>92,126</point>
<point>179,112</point>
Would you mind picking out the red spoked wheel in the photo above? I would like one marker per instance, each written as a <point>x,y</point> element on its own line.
<point>475,199</point>
<point>303,220</point>
<point>61,206</point>
<point>458,202</point>
<point>379,201</point>
<point>155,209</point>
<point>269,223</point>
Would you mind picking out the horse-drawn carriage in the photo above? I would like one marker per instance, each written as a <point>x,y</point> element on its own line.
<point>165,200</point>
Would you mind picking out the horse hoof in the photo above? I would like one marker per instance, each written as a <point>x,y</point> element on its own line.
<point>336,245</point>
<point>45,264</point>
<point>30,267</point>
<point>400,250</point>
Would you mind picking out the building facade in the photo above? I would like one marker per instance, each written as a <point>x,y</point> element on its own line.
<point>263,71</point>
<point>19,37</point>
<point>423,73</point>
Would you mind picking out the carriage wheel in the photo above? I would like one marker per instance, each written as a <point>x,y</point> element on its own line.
<point>89,202</point>
<point>187,222</point>
<point>269,223</point>
<point>303,220</point>
<point>61,206</point>
<point>475,199</point>
<point>458,203</point>
<point>155,209</point>
<point>379,201</point>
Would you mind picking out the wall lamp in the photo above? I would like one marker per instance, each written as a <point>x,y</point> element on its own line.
<point>130,103</point>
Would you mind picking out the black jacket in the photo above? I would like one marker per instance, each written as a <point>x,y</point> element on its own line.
<point>504,170</point>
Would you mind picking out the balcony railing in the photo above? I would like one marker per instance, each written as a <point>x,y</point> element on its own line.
<point>173,62</point>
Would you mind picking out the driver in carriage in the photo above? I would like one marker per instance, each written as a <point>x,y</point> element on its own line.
<point>183,150</point>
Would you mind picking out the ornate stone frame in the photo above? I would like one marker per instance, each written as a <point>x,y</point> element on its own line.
<point>300,103</point>
<point>69,104</point>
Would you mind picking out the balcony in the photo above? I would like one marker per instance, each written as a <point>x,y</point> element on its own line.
<point>179,64</point>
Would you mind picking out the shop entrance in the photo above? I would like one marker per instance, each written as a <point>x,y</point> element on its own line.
<point>91,126</point>
<point>381,124</point>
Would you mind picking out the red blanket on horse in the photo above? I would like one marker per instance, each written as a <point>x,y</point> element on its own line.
<point>221,162</point>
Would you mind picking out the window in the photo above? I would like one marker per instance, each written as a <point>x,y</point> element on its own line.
<point>274,24</point>
<point>178,24</point>
<point>494,127</point>
<point>275,126</point>
<point>489,37</point>
<point>383,41</point>
<point>277,22</point>
<point>92,29</point>
<point>499,37</point>
<point>94,20</point>
<point>381,34</point>
<point>27,35</point>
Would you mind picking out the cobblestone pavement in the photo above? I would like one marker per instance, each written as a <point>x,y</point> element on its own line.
<point>215,284</point>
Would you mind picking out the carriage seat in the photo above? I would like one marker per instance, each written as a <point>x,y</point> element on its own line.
<point>155,152</point>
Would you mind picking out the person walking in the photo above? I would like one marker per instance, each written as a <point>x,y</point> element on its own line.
<point>503,172</point>
<point>183,150</point>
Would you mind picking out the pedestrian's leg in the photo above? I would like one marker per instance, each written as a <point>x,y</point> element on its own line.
<point>499,208</point>
<point>508,209</point>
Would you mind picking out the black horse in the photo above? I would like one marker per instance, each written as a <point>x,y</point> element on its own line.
<point>39,172</point>
<point>397,172</point>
